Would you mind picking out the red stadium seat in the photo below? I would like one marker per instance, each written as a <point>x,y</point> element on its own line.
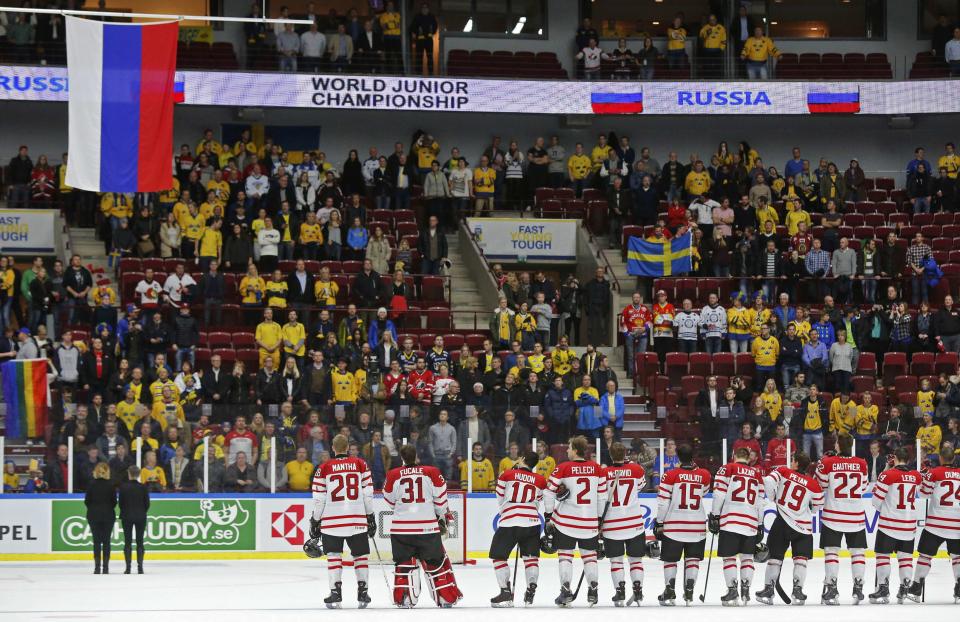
<point>745,364</point>
<point>946,363</point>
<point>724,364</point>
<point>677,365</point>
<point>894,364</point>
<point>700,364</point>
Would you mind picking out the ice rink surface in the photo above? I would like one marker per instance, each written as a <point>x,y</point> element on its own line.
<point>294,590</point>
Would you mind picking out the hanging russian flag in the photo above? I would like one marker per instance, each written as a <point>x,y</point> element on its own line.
<point>27,395</point>
<point>121,105</point>
<point>833,103</point>
<point>616,103</point>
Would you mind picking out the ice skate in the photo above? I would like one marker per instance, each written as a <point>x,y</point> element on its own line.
<point>688,592</point>
<point>798,597</point>
<point>529,594</point>
<point>363,598</point>
<point>915,591</point>
<point>956,592</point>
<point>902,592</point>
<point>765,595</point>
<point>592,594</point>
<point>830,594</point>
<point>565,597</point>
<point>732,597</point>
<point>857,591</point>
<point>669,596</point>
<point>882,595</point>
<point>637,596</point>
<point>744,593</point>
<point>620,596</point>
<point>503,599</point>
<point>335,599</point>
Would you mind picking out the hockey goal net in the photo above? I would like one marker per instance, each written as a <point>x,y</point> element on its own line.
<point>455,542</point>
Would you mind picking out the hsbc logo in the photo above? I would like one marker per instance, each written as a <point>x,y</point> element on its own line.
<point>285,525</point>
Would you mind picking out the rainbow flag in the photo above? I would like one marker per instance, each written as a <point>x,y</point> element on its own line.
<point>27,395</point>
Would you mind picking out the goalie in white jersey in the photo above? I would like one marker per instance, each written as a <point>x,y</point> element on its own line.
<point>623,527</point>
<point>519,496</point>
<point>342,513</point>
<point>417,494</point>
<point>736,516</point>
<point>573,504</point>
<point>844,479</point>
<point>941,486</point>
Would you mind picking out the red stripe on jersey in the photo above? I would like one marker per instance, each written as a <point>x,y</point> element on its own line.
<point>397,520</point>
<point>898,520</point>
<point>860,513</point>
<point>843,520</point>
<point>589,519</point>
<point>621,527</point>
<point>736,522</point>
<point>944,518</point>
<point>748,516</point>
<point>685,522</point>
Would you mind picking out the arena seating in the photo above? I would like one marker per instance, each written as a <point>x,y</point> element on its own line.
<point>504,64</point>
<point>851,66</point>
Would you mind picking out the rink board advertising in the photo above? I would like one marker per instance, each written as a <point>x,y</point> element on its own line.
<point>344,92</point>
<point>51,526</point>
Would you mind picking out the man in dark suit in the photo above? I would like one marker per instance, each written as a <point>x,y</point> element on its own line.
<point>741,29</point>
<point>708,401</point>
<point>300,291</point>
<point>369,51</point>
<point>619,203</point>
<point>510,431</point>
<point>216,387</point>
<point>134,505</point>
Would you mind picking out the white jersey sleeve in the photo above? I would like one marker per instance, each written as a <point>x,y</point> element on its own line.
<point>941,485</point>
<point>895,496</point>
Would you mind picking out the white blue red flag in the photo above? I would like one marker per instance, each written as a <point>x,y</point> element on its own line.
<point>121,105</point>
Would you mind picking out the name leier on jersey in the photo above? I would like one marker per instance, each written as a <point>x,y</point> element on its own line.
<point>418,497</point>
<point>624,519</point>
<point>578,514</point>
<point>736,491</point>
<point>680,504</point>
<point>342,496</point>
<point>519,494</point>
<point>844,480</point>
<point>895,496</point>
<point>941,485</point>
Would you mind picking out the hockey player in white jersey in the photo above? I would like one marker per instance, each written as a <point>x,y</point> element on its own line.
<point>844,479</point>
<point>941,486</point>
<point>895,496</point>
<point>417,494</point>
<point>343,513</point>
<point>573,503</point>
<point>519,497</point>
<point>623,527</point>
<point>736,516</point>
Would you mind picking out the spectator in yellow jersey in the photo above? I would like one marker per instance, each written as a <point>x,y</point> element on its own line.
<point>116,205</point>
<point>294,339</point>
<point>697,181</point>
<point>578,167</point>
<point>676,43</point>
<point>325,289</point>
<point>390,27</point>
<point>252,288</point>
<point>482,476</point>
<point>508,461</point>
<point>192,228</point>
<point>276,291</point>
<point>713,43</point>
<point>598,155</point>
<point>344,386</point>
<point>547,464</point>
<point>299,472</point>
<point>843,414</point>
<point>210,244</point>
<point>484,186</point>
<point>311,237</point>
<point>795,216</point>
<point>757,51</point>
<point>930,436</point>
<point>950,160</point>
<point>269,338</point>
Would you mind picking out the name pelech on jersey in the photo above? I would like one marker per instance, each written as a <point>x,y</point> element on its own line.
<point>342,496</point>
<point>895,496</point>
<point>844,480</point>
<point>624,519</point>
<point>941,485</point>
<point>519,495</point>
<point>736,492</point>
<point>680,503</point>
<point>578,515</point>
<point>418,497</point>
<point>797,497</point>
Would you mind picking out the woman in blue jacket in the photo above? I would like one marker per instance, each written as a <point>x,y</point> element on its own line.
<point>357,238</point>
<point>612,408</point>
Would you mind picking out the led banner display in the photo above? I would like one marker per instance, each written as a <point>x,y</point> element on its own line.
<point>390,93</point>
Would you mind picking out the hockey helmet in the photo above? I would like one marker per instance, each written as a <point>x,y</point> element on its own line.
<point>653,549</point>
<point>761,553</point>
<point>547,544</point>
<point>312,548</point>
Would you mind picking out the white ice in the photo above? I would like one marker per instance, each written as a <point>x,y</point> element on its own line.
<point>294,590</point>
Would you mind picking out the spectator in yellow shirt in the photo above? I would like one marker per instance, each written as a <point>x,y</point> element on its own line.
<point>930,435</point>
<point>294,338</point>
<point>152,475</point>
<point>210,245</point>
<point>676,43</point>
<point>547,464</point>
<point>269,338</point>
<point>757,50</point>
<point>276,291</point>
<point>208,139</point>
<point>300,472</point>
<point>950,161</point>
<point>796,215</point>
<point>116,205</point>
<point>482,476</point>
<point>252,288</point>
<point>697,181</point>
<point>311,237</point>
<point>192,227</point>
<point>713,42</point>
<point>578,167</point>
<point>599,153</point>
<point>843,415</point>
<point>390,27</point>
<point>484,186</point>
<point>326,289</point>
<point>510,459</point>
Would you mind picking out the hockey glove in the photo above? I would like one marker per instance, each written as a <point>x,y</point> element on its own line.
<point>314,528</point>
<point>601,552</point>
<point>548,527</point>
<point>371,526</point>
<point>760,533</point>
<point>658,531</point>
<point>562,492</point>
<point>713,523</point>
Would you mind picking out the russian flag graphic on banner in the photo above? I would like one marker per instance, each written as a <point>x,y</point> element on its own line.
<point>121,105</point>
<point>833,103</point>
<point>179,90</point>
<point>616,103</point>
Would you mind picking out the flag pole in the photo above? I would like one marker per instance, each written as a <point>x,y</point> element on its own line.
<point>164,16</point>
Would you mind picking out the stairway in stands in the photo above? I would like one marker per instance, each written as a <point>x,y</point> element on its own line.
<point>85,243</point>
<point>464,294</point>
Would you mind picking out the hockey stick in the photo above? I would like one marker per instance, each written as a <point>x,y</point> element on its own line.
<point>516,563</point>
<point>383,570</point>
<point>780,591</point>
<point>606,507</point>
<point>706,580</point>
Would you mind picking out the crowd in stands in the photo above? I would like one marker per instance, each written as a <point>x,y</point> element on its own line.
<point>796,297</point>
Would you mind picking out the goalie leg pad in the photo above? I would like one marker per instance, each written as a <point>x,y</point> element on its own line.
<point>406,583</point>
<point>442,583</point>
